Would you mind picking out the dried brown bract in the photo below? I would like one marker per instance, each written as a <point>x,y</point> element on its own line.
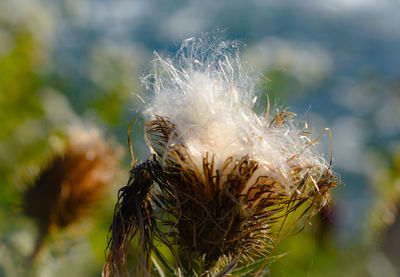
<point>228,212</point>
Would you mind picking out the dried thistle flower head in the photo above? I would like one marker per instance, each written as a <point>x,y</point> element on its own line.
<point>71,183</point>
<point>221,176</point>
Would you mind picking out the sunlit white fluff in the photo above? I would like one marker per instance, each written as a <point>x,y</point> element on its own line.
<point>209,95</point>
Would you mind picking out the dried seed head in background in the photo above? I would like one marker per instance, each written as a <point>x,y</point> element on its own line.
<point>72,182</point>
<point>223,178</point>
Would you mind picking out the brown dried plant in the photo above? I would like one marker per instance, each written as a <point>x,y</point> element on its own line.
<point>72,183</point>
<point>223,184</point>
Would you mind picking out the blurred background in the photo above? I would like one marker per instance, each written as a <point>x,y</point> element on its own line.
<point>79,62</point>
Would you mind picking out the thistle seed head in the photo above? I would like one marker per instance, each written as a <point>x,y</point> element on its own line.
<point>222,179</point>
<point>73,182</point>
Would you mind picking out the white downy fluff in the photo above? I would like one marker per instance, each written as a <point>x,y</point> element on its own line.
<point>208,94</point>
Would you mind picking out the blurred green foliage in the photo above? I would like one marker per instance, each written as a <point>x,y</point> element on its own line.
<point>20,107</point>
<point>34,115</point>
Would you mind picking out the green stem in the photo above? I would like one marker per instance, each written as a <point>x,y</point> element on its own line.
<point>40,242</point>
